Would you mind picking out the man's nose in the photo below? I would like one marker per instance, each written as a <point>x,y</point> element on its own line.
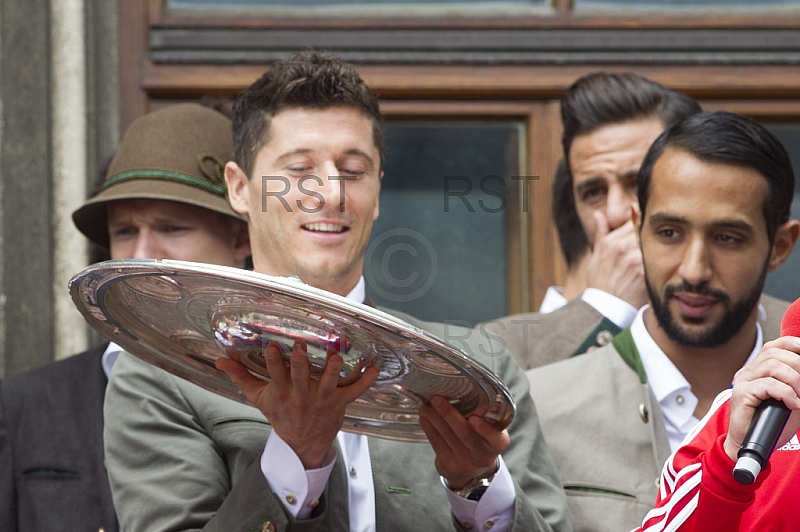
<point>696,265</point>
<point>332,187</point>
<point>618,206</point>
<point>146,247</point>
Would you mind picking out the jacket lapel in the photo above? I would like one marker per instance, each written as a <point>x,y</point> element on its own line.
<point>627,350</point>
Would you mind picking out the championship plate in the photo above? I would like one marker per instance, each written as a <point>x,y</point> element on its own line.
<point>182,316</point>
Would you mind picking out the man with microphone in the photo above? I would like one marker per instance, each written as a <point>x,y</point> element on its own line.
<point>714,198</point>
<point>719,478</point>
<point>700,489</point>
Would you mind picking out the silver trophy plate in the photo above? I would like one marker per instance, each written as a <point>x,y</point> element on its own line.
<point>182,316</point>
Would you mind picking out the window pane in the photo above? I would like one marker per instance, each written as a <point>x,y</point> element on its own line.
<point>785,282</point>
<point>438,249</point>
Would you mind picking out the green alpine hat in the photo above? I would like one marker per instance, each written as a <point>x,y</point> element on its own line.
<point>177,154</point>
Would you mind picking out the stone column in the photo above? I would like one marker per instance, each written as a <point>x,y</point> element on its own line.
<point>58,118</point>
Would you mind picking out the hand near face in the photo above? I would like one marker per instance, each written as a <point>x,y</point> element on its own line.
<point>774,373</point>
<point>616,263</point>
<point>306,413</point>
<point>466,448</point>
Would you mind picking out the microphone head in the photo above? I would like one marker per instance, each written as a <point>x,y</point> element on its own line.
<point>790,324</point>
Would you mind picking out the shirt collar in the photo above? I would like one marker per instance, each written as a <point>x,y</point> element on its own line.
<point>670,388</point>
<point>553,299</point>
<point>109,357</point>
<point>359,292</point>
<point>662,375</point>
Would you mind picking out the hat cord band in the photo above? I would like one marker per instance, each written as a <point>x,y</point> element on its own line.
<point>166,176</point>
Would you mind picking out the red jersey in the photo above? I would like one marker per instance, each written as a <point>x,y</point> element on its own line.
<point>698,492</point>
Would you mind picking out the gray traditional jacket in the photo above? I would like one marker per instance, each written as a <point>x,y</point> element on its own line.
<point>537,339</point>
<point>182,458</point>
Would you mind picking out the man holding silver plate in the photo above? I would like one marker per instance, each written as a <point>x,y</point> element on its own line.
<point>308,147</point>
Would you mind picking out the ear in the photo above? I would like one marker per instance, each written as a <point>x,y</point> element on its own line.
<point>238,189</point>
<point>785,239</point>
<point>636,217</point>
<point>242,244</point>
<point>378,199</point>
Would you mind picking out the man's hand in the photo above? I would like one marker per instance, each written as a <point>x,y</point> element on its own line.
<point>774,373</point>
<point>616,264</point>
<point>306,413</point>
<point>465,448</point>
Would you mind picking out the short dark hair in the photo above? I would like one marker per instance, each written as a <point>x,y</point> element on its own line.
<point>308,79</point>
<point>729,138</point>
<point>603,98</point>
<point>571,236</point>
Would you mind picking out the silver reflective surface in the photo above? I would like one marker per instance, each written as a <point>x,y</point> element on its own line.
<point>182,316</point>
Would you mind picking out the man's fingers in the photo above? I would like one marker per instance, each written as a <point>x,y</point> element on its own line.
<point>299,368</point>
<point>777,360</point>
<point>434,414</point>
<point>464,438</point>
<point>439,434</point>
<point>498,440</point>
<point>438,444</point>
<point>353,376</point>
<point>776,389</point>
<point>273,358</point>
<point>772,378</point>
<point>353,391</point>
<point>601,226</point>
<point>238,374</point>
<point>790,344</point>
<point>330,373</point>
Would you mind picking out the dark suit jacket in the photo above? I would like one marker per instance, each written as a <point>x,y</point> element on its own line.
<point>52,476</point>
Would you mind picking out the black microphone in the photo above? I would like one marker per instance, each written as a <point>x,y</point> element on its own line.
<point>762,436</point>
<point>769,420</point>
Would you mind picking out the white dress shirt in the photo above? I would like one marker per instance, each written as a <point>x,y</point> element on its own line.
<point>109,357</point>
<point>670,387</point>
<point>553,300</point>
<point>620,312</point>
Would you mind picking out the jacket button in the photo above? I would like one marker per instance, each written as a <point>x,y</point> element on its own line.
<point>268,527</point>
<point>643,413</point>
<point>604,338</point>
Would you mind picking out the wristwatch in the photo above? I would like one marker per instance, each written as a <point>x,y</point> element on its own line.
<point>476,487</point>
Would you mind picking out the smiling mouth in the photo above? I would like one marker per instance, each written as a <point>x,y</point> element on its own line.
<point>320,227</point>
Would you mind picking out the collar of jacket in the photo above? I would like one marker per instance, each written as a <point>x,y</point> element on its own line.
<point>626,347</point>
